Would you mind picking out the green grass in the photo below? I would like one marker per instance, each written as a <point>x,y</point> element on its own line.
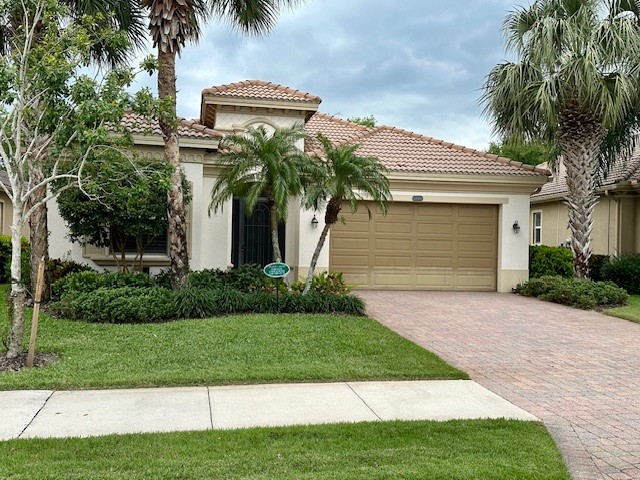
<point>226,350</point>
<point>487,449</point>
<point>630,312</point>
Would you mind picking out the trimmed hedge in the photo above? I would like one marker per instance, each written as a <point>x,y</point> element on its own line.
<point>152,304</point>
<point>544,260</point>
<point>89,281</point>
<point>573,292</point>
<point>624,271</point>
<point>58,268</point>
<point>596,266</point>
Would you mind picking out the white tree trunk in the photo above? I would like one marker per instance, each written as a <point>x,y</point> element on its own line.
<point>17,295</point>
<point>314,259</point>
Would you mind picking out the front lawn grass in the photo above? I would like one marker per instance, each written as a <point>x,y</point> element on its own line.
<point>631,312</point>
<point>239,349</point>
<point>482,449</point>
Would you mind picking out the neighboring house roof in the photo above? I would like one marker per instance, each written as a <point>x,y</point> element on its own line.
<point>622,171</point>
<point>403,151</point>
<point>140,125</point>
<point>261,90</point>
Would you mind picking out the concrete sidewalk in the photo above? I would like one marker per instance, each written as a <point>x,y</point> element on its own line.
<point>37,413</point>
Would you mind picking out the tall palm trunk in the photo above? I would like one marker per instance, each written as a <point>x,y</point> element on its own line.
<point>330,217</point>
<point>177,225</point>
<point>38,232</point>
<point>580,136</point>
<point>275,242</point>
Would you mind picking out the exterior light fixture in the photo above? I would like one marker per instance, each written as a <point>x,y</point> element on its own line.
<point>516,227</point>
<point>314,221</point>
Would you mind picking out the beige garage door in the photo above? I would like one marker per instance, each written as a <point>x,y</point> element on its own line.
<point>418,246</point>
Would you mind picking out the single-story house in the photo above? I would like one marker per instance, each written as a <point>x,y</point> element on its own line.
<point>616,219</point>
<point>459,219</point>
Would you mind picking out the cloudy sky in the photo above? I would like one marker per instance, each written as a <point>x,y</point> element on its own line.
<point>414,64</point>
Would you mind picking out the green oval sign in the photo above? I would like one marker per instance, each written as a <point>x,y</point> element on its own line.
<point>276,270</point>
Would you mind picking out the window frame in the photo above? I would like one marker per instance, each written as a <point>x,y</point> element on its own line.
<point>536,230</point>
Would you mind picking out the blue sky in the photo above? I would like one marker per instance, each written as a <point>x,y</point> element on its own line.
<point>414,64</point>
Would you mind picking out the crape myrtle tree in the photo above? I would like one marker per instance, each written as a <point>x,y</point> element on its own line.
<point>173,23</point>
<point>258,164</point>
<point>575,83</point>
<point>347,177</point>
<point>49,110</point>
<point>120,202</point>
<point>122,15</point>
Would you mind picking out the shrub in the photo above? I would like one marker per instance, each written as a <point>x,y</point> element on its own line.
<point>5,259</point>
<point>596,265</point>
<point>326,282</point>
<point>248,278</point>
<point>583,294</point>
<point>544,260</point>
<point>193,302</point>
<point>624,272</point>
<point>84,282</point>
<point>208,278</point>
<point>163,279</point>
<point>117,305</point>
<point>58,268</point>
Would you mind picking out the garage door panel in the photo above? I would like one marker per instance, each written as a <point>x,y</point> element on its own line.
<point>419,246</point>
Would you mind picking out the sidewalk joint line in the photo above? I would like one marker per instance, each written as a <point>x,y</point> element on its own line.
<point>36,414</point>
<point>210,407</point>
<point>362,400</point>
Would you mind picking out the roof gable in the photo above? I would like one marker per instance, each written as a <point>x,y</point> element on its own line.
<point>261,90</point>
<point>140,125</point>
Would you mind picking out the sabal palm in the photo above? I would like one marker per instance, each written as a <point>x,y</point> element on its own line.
<point>172,24</point>
<point>576,82</point>
<point>345,177</point>
<point>259,164</point>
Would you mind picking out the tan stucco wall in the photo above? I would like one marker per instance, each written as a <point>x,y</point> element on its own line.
<point>555,229</point>
<point>629,225</point>
<point>6,211</point>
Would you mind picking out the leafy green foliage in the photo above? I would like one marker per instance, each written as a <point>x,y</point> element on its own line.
<point>58,268</point>
<point>117,305</point>
<point>90,280</point>
<point>325,282</point>
<point>120,201</point>
<point>5,259</point>
<point>596,266</point>
<point>369,121</point>
<point>574,292</point>
<point>624,271</point>
<point>544,260</point>
<point>533,152</point>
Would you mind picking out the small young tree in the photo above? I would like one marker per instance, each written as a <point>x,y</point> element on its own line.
<point>121,202</point>
<point>258,164</point>
<point>369,121</point>
<point>346,177</point>
<point>49,110</point>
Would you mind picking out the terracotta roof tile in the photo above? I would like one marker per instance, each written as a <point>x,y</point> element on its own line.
<point>403,151</point>
<point>622,171</point>
<point>258,89</point>
<point>138,124</point>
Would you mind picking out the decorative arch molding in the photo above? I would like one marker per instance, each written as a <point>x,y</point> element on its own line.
<point>241,127</point>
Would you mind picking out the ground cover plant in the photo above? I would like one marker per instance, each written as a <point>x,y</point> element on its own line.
<point>487,449</point>
<point>234,349</point>
<point>630,312</point>
<point>574,292</point>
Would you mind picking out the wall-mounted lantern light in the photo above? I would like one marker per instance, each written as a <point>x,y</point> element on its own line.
<point>516,227</point>
<point>314,221</point>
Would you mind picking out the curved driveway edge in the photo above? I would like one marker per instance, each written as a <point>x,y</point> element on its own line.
<point>579,372</point>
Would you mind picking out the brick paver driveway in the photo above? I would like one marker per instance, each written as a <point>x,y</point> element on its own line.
<point>577,371</point>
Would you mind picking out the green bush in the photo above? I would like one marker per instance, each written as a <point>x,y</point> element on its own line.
<point>596,265</point>
<point>573,292</point>
<point>326,282</point>
<point>58,268</point>
<point>544,260</point>
<point>624,271</point>
<point>88,281</point>
<point>208,278</point>
<point>144,304</point>
<point>117,305</point>
<point>5,259</point>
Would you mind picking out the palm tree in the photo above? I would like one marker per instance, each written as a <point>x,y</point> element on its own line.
<point>346,177</point>
<point>575,83</point>
<point>172,24</point>
<point>258,164</point>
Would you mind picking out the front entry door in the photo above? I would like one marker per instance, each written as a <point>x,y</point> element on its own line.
<point>251,235</point>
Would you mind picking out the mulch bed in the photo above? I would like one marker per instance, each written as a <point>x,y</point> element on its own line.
<point>19,363</point>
